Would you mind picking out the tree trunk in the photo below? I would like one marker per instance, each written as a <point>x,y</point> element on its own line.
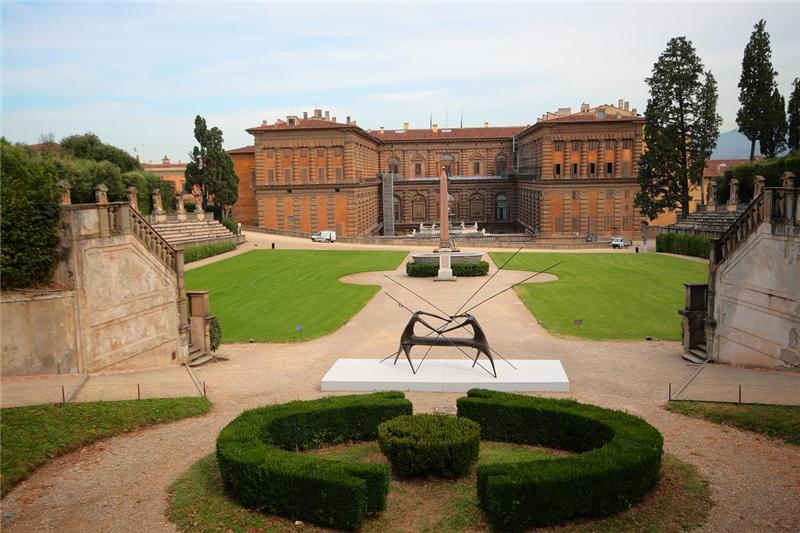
<point>752,150</point>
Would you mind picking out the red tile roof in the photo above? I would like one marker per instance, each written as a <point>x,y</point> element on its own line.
<point>302,124</point>
<point>717,167</point>
<point>447,134</point>
<point>243,150</point>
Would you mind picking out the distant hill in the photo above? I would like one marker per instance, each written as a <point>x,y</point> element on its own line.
<point>732,145</point>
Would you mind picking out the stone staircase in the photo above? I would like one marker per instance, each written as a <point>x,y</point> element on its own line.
<point>696,354</point>
<point>184,233</point>
<point>712,224</point>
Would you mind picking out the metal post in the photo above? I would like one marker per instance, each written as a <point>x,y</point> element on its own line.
<point>204,390</point>
<point>138,392</point>
<point>740,394</point>
<point>63,395</point>
<point>669,392</point>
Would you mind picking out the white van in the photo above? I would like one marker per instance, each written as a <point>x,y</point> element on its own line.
<point>324,236</point>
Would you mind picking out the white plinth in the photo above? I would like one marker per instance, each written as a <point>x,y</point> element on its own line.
<point>445,375</point>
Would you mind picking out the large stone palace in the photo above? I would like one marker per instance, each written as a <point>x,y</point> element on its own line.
<point>567,175</point>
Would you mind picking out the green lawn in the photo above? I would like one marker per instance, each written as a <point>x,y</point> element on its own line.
<point>31,436</point>
<point>264,294</point>
<point>777,421</point>
<point>616,295</point>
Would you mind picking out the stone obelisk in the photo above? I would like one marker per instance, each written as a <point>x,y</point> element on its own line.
<point>445,270</point>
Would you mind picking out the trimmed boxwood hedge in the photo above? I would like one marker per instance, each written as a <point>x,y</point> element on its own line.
<point>675,243</point>
<point>260,470</point>
<point>618,461</point>
<point>429,270</point>
<point>201,251</point>
<point>418,445</point>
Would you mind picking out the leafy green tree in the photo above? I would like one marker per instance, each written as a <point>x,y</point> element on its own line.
<point>794,116</point>
<point>145,182</point>
<point>211,168</point>
<point>755,86</point>
<point>29,215</point>
<point>89,146</point>
<point>773,136</point>
<point>680,132</point>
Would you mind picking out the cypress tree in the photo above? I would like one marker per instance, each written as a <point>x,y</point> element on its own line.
<point>794,116</point>
<point>773,136</point>
<point>755,86</point>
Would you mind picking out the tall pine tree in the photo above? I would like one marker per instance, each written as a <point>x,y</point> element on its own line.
<point>680,131</point>
<point>773,136</point>
<point>794,116</point>
<point>755,86</point>
<point>211,168</point>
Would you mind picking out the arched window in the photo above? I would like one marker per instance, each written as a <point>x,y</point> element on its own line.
<point>419,209</point>
<point>500,165</point>
<point>452,206</point>
<point>476,208</point>
<point>501,207</point>
<point>394,166</point>
<point>476,167</point>
<point>419,166</point>
<point>398,209</point>
<point>448,163</point>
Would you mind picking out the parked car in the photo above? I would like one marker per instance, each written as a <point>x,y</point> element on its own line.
<point>324,236</point>
<point>619,242</point>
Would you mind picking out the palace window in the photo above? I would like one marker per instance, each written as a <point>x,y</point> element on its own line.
<point>609,194</point>
<point>558,169</point>
<point>303,152</point>
<point>271,175</point>
<point>500,165</point>
<point>321,174</point>
<point>419,209</point>
<point>610,144</point>
<point>593,145</point>
<point>501,207</point>
<point>270,152</point>
<point>627,143</point>
<point>626,223</point>
<point>574,169</point>
<point>559,146</point>
<point>476,168</point>
<point>398,209</point>
<point>576,195</point>
<point>610,223</point>
<point>592,169</point>
<point>559,224</point>
<point>576,145</point>
<point>609,168</point>
<point>339,174</point>
<point>304,175</point>
<point>287,152</point>
<point>287,174</point>
<point>320,152</point>
<point>576,224</point>
<point>394,166</point>
<point>338,150</point>
<point>417,169</point>
<point>626,169</point>
<point>476,208</point>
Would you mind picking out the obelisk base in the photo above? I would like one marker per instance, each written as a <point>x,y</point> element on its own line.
<point>445,270</point>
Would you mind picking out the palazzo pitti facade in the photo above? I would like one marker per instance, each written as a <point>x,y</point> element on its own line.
<point>571,174</point>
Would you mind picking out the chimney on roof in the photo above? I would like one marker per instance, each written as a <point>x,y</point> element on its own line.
<point>352,122</point>
<point>264,123</point>
<point>318,113</point>
<point>348,119</point>
<point>485,124</point>
<point>327,115</point>
<point>405,125</point>
<point>627,104</point>
<point>584,108</point>
<point>564,111</point>
<point>634,111</point>
<point>333,119</point>
<point>435,128</point>
<point>619,103</point>
<point>165,160</point>
<point>381,130</point>
<point>305,115</point>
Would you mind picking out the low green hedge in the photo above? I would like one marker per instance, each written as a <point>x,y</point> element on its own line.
<point>618,461</point>
<point>675,243</point>
<point>201,251</point>
<point>429,270</point>
<point>231,224</point>
<point>260,470</point>
<point>419,445</point>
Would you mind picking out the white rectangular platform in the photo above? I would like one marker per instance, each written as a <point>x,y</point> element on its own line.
<point>445,375</point>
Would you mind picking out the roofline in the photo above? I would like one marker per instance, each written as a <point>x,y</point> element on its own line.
<point>555,121</point>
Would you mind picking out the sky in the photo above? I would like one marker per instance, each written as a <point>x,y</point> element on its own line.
<point>137,74</point>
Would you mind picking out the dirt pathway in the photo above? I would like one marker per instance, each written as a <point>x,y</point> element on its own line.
<point>121,484</point>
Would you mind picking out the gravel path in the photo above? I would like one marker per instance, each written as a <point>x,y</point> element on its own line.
<point>121,484</point>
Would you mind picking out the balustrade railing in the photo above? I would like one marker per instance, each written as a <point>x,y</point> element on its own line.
<point>151,239</point>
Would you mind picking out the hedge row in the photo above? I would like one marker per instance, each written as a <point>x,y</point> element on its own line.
<point>231,224</point>
<point>429,270</point>
<point>259,470</point>
<point>201,251</point>
<point>618,461</point>
<point>771,169</point>
<point>675,243</point>
<point>419,445</point>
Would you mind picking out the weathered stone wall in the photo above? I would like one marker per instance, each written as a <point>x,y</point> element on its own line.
<point>757,300</point>
<point>38,333</point>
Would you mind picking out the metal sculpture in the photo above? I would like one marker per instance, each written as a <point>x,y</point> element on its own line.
<point>449,323</point>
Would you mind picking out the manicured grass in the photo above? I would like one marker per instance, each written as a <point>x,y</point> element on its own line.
<point>264,294</point>
<point>33,435</point>
<point>680,502</point>
<point>616,295</point>
<point>777,421</point>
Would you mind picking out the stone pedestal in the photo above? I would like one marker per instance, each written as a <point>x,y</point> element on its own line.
<point>180,209</point>
<point>445,268</point>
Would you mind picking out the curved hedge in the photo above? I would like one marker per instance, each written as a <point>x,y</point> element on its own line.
<point>418,445</point>
<point>429,270</point>
<point>618,461</point>
<point>259,470</point>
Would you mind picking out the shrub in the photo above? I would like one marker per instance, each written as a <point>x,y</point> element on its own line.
<point>189,206</point>
<point>259,470</point>
<point>418,445</point>
<point>215,333</point>
<point>694,245</point>
<point>29,215</point>
<point>771,169</point>
<point>201,251</point>
<point>231,224</point>
<point>618,461</point>
<point>428,270</point>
